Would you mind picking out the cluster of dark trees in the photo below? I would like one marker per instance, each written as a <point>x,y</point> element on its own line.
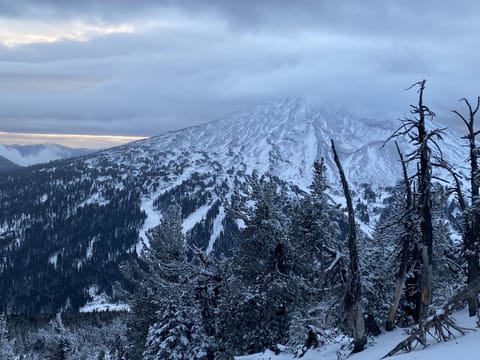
<point>52,249</point>
<point>192,305</point>
<point>62,336</point>
<point>55,242</point>
<point>69,224</point>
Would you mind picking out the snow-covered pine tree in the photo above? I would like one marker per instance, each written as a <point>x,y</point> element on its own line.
<point>318,258</point>
<point>152,275</point>
<point>178,334</point>
<point>393,294</point>
<point>314,232</point>
<point>255,311</point>
<point>448,274</point>
<point>180,284</point>
<point>6,344</point>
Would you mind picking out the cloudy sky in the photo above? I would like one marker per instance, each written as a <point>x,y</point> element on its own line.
<point>137,68</point>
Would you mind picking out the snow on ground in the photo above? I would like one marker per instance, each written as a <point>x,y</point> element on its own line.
<point>53,260</point>
<point>240,224</point>
<point>101,302</point>
<point>152,220</point>
<point>466,347</point>
<point>195,217</point>
<point>89,253</point>
<point>217,229</point>
<point>96,198</point>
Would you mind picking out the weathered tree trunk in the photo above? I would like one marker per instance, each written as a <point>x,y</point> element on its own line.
<point>353,300</point>
<point>425,211</point>
<point>472,219</point>
<point>406,240</point>
<point>473,271</point>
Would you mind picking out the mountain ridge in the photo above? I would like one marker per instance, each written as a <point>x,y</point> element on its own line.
<point>324,124</point>
<point>7,165</point>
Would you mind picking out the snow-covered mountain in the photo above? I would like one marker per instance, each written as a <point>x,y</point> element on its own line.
<point>26,155</point>
<point>74,221</point>
<point>283,138</point>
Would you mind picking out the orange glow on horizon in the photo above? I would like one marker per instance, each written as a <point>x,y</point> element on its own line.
<point>18,32</point>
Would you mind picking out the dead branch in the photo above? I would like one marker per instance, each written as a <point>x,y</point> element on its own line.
<point>440,326</point>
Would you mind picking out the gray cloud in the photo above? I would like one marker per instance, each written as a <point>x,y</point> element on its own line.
<point>408,16</point>
<point>213,57</point>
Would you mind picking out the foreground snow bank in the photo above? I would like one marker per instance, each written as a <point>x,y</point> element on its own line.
<point>465,347</point>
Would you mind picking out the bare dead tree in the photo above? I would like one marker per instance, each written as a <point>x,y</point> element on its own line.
<point>353,296</point>
<point>422,140</point>
<point>406,243</point>
<point>471,236</point>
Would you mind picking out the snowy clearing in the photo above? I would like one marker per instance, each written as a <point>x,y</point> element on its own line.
<point>217,229</point>
<point>101,302</point>
<point>195,217</point>
<point>153,219</point>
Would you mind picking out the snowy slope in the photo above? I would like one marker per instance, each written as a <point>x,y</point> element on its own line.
<point>465,347</point>
<point>282,138</point>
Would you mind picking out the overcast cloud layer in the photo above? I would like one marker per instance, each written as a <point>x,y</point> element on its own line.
<point>139,68</point>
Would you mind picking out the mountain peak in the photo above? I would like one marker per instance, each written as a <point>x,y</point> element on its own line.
<point>285,136</point>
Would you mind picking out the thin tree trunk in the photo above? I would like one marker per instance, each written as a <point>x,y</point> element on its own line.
<point>353,300</point>
<point>406,240</point>
<point>472,220</point>
<point>425,209</point>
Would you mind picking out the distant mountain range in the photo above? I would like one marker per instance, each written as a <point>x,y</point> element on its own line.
<point>7,165</point>
<point>67,225</point>
<point>27,155</point>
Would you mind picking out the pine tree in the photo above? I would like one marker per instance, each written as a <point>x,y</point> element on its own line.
<point>317,260</point>
<point>154,276</point>
<point>314,234</point>
<point>183,328</point>
<point>178,334</point>
<point>6,344</point>
<point>255,311</point>
<point>179,288</point>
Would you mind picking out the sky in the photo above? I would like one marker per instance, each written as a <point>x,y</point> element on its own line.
<point>130,69</point>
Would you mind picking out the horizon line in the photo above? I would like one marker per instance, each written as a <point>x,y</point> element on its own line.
<point>91,141</point>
